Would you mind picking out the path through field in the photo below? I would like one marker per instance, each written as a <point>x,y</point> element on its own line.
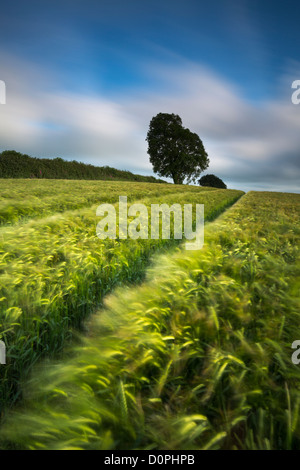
<point>198,356</point>
<point>55,271</point>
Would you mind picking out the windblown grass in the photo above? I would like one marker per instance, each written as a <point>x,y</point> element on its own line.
<point>55,271</point>
<point>197,357</point>
<point>21,200</point>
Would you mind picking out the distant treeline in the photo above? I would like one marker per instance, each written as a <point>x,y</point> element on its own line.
<point>17,165</point>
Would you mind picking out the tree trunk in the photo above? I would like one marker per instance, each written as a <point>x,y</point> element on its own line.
<point>177,179</point>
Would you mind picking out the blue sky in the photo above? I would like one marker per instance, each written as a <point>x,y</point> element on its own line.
<point>84,78</point>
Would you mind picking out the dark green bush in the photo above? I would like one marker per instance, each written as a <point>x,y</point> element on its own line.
<point>17,165</point>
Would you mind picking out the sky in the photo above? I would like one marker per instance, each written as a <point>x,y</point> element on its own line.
<point>84,78</point>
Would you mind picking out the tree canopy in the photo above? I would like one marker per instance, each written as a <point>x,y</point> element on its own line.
<point>212,181</point>
<point>175,151</point>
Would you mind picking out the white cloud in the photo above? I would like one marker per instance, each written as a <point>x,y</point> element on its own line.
<point>246,142</point>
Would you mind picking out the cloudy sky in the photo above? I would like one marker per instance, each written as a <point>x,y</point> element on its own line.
<point>84,78</point>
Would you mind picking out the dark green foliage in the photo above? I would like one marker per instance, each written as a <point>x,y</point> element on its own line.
<point>175,151</point>
<point>212,181</point>
<point>17,165</point>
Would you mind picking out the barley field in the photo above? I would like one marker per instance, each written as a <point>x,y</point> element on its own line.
<point>189,350</point>
<point>55,271</point>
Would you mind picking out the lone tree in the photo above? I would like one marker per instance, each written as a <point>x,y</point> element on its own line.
<point>175,151</point>
<point>212,181</point>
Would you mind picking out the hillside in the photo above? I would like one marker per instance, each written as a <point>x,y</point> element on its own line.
<point>17,165</point>
<point>54,270</point>
<point>196,356</point>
